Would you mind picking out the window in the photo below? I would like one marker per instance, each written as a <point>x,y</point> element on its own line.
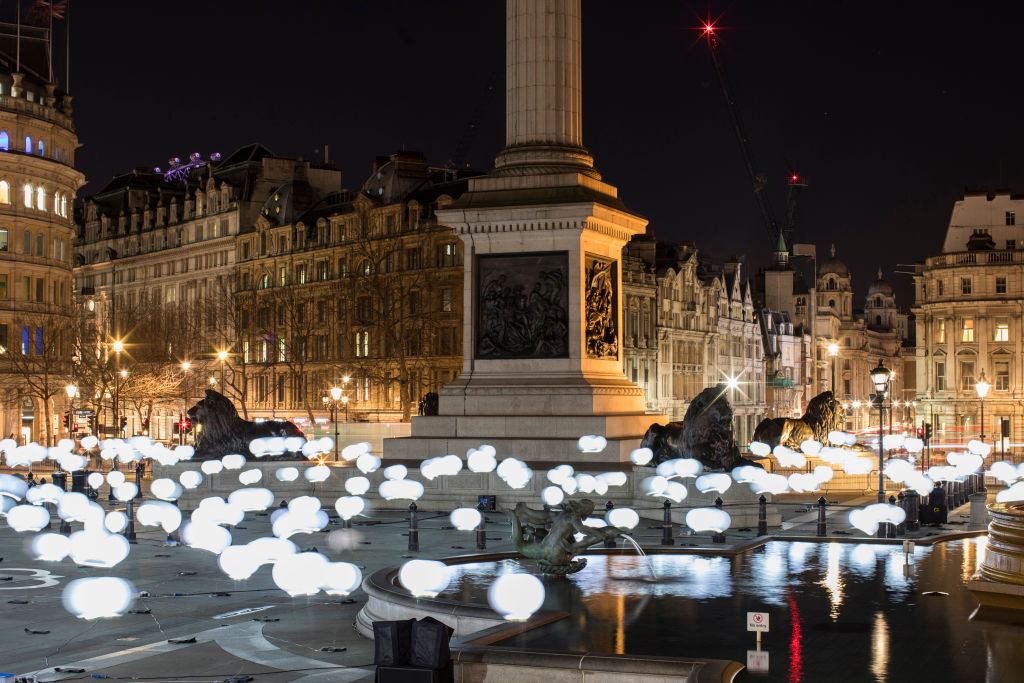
<point>846,387</point>
<point>264,282</point>
<point>282,351</point>
<point>365,267</point>
<point>40,283</point>
<point>1002,331</point>
<point>5,141</point>
<point>28,144</point>
<point>940,332</point>
<point>446,299</point>
<point>362,344</point>
<point>321,270</point>
<point>1011,244</point>
<point>245,351</point>
<point>301,275</point>
<point>941,288</point>
<point>5,192</point>
<point>321,311</point>
<point>280,388</point>
<point>412,258</point>
<point>940,375</point>
<point>39,341</point>
<point>42,149</point>
<point>1000,285</point>
<point>1002,370</point>
<point>3,285</point>
<point>25,345</point>
<point>342,267</point>
<point>1011,218</point>
<point>363,309</point>
<point>967,331</point>
<point>283,276</point>
<point>965,285</point>
<point>3,239</point>
<point>39,245</point>
<point>447,254</point>
<point>28,196</point>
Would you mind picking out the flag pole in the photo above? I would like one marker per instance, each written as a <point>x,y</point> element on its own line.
<point>17,66</point>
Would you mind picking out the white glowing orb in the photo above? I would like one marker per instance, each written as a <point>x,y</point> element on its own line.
<point>248,477</point>
<point>212,466</point>
<point>239,562</point>
<point>182,452</point>
<point>251,499</point>
<point>349,506</point>
<point>28,517</point>
<point>126,491</point>
<point>97,548</point>
<point>357,486</point>
<point>760,449</point>
<point>317,473</point>
<point>1005,471</point>
<point>287,473</point>
<point>300,574</point>
<point>787,457</point>
<point>367,462</point>
<point>424,578</point>
<point>654,486</point>
<point>810,446</point>
<point>481,461</point>
<point>552,495</point>
<point>394,489</point>
<point>675,491</point>
<point>585,483</point>
<point>216,510</point>
<point>89,442</point>
<point>396,472</point>
<point>355,450</point>
<point>592,443</point>
<point>1011,494</point>
<point>234,461</point>
<point>206,536</point>
<point>979,447</point>
<point>559,474</point>
<point>913,444</point>
<point>115,521</point>
<point>569,485</point>
<point>514,472</point>
<point>166,489</point>
<point>12,486</point>
<point>708,519</point>
<point>97,597</point>
<point>823,473</point>
<point>688,467</point>
<point>623,518</point>
<point>73,506</point>
<point>800,482</point>
<point>666,468</point>
<point>115,477</point>
<point>71,462</point>
<point>641,456</point>
<point>613,478</point>
<point>858,465</point>
<point>465,519</point>
<point>713,481</point>
<point>340,578</point>
<point>897,469</point>
<point>516,596</point>
<point>50,547</point>
<point>44,493</point>
<point>159,513</point>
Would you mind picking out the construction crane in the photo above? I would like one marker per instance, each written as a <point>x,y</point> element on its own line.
<point>758,180</point>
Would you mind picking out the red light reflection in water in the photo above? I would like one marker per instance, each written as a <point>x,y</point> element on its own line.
<point>796,665</point>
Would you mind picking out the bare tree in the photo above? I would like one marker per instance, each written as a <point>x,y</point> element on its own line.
<point>41,361</point>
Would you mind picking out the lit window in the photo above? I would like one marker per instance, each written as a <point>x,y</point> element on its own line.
<point>42,149</point>
<point>1002,369</point>
<point>5,192</point>
<point>940,376</point>
<point>940,332</point>
<point>28,196</point>
<point>1002,329</point>
<point>967,331</point>
<point>41,198</point>
<point>967,375</point>
<point>28,144</point>
<point>5,141</point>
<point>1011,218</point>
<point>3,239</point>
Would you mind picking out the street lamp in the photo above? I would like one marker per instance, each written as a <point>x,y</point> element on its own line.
<point>982,388</point>
<point>185,365</point>
<point>833,350</point>
<point>336,393</point>
<point>880,377</point>
<point>222,355</point>
<point>118,346</point>
<point>71,390</point>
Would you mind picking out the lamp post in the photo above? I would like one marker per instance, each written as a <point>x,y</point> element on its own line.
<point>185,365</point>
<point>124,418</point>
<point>222,355</point>
<point>71,390</point>
<point>880,377</point>
<point>982,388</point>
<point>335,397</point>
<point>833,350</point>
<point>118,347</point>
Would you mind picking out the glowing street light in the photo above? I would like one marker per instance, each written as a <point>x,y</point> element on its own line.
<point>833,350</point>
<point>880,378</point>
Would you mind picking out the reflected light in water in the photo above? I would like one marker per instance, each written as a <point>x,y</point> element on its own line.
<point>620,627</point>
<point>796,664</point>
<point>880,648</point>
<point>833,580</point>
<point>974,555</point>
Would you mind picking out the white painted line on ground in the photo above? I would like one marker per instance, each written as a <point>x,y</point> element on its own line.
<point>42,575</point>
<point>240,612</point>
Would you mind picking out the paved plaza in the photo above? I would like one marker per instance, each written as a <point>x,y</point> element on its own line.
<point>252,628</point>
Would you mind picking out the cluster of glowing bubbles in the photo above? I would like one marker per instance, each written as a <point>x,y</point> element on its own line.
<point>1006,471</point>
<point>159,513</point>
<point>1011,494</point>
<point>424,578</point>
<point>445,465</point>
<point>302,516</point>
<point>516,596</point>
<point>353,451</point>
<point>308,573</point>
<point>708,519</point>
<point>465,519</point>
<point>514,472</point>
<point>661,487</point>
<point>276,445</point>
<point>868,519</point>
<point>98,597</point>
<point>395,486</point>
<point>240,562</point>
<point>481,460</point>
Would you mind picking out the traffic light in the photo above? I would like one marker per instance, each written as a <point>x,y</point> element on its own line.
<point>145,425</point>
<point>124,423</point>
<point>927,431</point>
<point>920,432</point>
<point>67,420</point>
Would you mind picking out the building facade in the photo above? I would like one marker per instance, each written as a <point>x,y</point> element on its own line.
<point>38,182</point>
<point>969,321</point>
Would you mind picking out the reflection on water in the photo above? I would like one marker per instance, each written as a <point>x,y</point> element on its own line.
<point>838,611</point>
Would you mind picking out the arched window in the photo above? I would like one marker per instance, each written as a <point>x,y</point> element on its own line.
<point>64,205</point>
<point>41,198</point>
<point>40,244</point>
<point>27,246</point>
<point>42,149</point>
<point>831,303</point>
<point>28,196</point>
<point>5,192</point>
<point>28,144</point>
<point>5,140</point>
<point>56,203</point>
<point>878,320</point>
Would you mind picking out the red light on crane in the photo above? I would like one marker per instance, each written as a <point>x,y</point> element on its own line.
<point>794,177</point>
<point>709,28</point>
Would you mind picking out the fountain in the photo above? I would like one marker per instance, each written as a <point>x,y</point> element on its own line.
<point>999,583</point>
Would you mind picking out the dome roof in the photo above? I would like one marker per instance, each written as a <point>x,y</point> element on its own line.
<point>833,266</point>
<point>880,286</point>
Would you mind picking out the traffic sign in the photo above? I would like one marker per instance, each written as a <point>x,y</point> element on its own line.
<point>85,413</point>
<point>757,621</point>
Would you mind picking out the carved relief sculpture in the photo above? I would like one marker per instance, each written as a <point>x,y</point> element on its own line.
<point>602,319</point>
<point>523,306</point>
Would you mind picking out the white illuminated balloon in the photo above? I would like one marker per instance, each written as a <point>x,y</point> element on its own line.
<point>115,521</point>
<point>239,562</point>
<point>190,479</point>
<point>481,461</point>
<point>317,473</point>
<point>367,462</point>
<point>394,489</point>
<point>234,461</point>
<point>115,477</point>
<point>516,596</point>
<point>166,489</point>
<point>12,486</point>
<point>287,473</point>
<point>552,495</point>
<point>340,578</point>
<point>95,479</point>
<point>613,478</point>
<point>465,519</point>
<point>212,466</point>
<point>44,493</point>
<point>183,452</point>
<point>592,443</point>
<point>396,472</point>
<point>585,483</point>
<point>708,519</point>
<point>559,474</point>
<point>713,481</point>
<point>126,491</point>
<point>89,442</point>
<point>51,547</point>
<point>357,486</point>
<point>760,449</point>
<point>688,467</point>
<point>810,446</point>
<point>97,548</point>
<point>251,499</point>
<point>97,597</point>
<point>28,517</point>
<point>1011,494</point>
<point>300,574</point>
<point>159,513</point>
<point>355,450</point>
<point>349,506</point>
<point>252,476</point>
<point>206,536</point>
<point>623,518</point>
<point>641,456</point>
<point>424,578</point>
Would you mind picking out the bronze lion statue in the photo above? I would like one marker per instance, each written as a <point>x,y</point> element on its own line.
<point>224,432</point>
<point>704,434</point>
<point>823,416</point>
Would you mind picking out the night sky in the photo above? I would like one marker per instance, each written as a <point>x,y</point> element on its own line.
<point>889,112</point>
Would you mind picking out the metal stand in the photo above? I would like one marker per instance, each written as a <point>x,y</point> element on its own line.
<point>762,516</point>
<point>481,530</point>
<point>822,530</point>
<point>129,532</point>
<point>666,529</point>
<point>414,531</point>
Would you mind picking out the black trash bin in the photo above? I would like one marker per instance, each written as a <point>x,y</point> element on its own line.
<point>61,479</point>
<point>78,481</point>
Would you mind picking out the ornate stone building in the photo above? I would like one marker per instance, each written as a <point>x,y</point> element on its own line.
<point>361,285</point>
<point>38,182</point>
<point>154,268</point>
<point>969,321</point>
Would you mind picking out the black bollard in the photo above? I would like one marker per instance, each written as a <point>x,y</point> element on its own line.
<point>139,466</point>
<point>666,529</point>
<point>718,537</point>
<point>608,507</point>
<point>414,531</point>
<point>901,501</point>
<point>129,531</point>
<point>913,502</point>
<point>762,516</point>
<point>481,531</point>
<point>822,530</point>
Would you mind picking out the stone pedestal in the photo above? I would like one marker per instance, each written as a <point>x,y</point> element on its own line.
<point>979,511</point>
<point>543,238</point>
<point>999,583</point>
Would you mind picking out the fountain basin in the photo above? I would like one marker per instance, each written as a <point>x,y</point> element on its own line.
<point>999,582</point>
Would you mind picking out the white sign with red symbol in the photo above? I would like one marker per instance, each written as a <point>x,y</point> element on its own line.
<point>757,621</point>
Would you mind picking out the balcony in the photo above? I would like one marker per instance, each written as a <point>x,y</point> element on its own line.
<point>974,258</point>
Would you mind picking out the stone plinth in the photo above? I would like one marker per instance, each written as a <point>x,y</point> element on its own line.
<point>999,584</point>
